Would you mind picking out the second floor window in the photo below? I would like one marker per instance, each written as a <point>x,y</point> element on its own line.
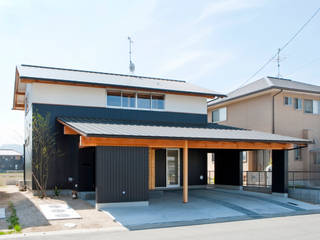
<point>308,106</point>
<point>287,101</point>
<point>132,100</point>
<point>219,115</point>
<point>298,103</point>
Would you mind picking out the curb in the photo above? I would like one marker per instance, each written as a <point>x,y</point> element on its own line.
<point>63,232</point>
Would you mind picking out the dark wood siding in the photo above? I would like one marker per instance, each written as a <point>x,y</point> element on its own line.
<point>121,174</point>
<point>160,163</point>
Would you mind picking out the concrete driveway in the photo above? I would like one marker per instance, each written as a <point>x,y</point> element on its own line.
<point>206,206</point>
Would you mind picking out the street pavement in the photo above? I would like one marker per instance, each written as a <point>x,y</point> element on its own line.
<point>300,227</point>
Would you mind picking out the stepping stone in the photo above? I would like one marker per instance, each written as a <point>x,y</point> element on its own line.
<point>58,211</point>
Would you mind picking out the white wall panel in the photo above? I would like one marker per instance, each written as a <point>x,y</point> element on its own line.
<point>68,95</point>
<point>96,97</point>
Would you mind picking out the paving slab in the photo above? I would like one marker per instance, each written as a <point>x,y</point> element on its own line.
<point>206,206</point>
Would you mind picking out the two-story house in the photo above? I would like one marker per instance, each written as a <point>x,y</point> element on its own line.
<point>274,105</point>
<point>123,135</point>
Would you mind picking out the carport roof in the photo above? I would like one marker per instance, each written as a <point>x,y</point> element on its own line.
<point>91,127</point>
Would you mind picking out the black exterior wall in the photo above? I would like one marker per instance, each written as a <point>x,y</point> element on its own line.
<point>228,167</point>
<point>280,171</point>
<point>86,169</point>
<point>197,167</point>
<point>160,167</point>
<point>121,174</point>
<point>67,165</point>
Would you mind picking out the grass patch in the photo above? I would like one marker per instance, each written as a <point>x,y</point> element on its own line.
<point>6,233</point>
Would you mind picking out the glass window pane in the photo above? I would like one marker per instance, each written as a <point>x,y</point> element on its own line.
<point>114,98</point>
<point>128,100</point>
<point>298,103</point>
<point>144,101</point>
<point>223,114</point>
<point>215,116</point>
<point>308,106</point>
<point>157,101</point>
<point>315,107</point>
<point>287,100</point>
<point>173,167</point>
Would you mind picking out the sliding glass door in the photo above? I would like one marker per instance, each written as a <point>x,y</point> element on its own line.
<point>173,167</point>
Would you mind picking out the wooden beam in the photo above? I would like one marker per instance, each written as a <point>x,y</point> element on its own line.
<point>167,143</point>
<point>238,145</point>
<point>79,84</point>
<point>185,172</point>
<point>153,143</point>
<point>20,93</point>
<point>69,131</point>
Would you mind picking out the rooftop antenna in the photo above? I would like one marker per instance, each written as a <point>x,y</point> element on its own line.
<point>131,64</point>
<point>278,60</point>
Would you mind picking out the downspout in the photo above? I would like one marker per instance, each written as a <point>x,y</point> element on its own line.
<point>273,123</point>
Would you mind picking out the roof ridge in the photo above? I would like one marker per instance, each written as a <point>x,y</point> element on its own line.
<point>106,73</point>
<point>269,82</point>
<point>294,81</point>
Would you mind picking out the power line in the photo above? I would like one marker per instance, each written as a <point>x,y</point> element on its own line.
<point>283,47</point>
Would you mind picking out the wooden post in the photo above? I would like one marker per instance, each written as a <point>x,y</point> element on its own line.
<point>185,172</point>
<point>151,168</point>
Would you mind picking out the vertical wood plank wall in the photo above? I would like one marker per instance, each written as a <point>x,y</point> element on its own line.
<point>152,169</point>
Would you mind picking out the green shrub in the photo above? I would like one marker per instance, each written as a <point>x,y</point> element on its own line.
<point>13,220</point>
<point>56,191</point>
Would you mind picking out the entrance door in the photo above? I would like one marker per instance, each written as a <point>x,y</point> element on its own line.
<point>173,167</point>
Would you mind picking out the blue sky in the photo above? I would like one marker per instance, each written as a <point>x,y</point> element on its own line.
<point>217,44</point>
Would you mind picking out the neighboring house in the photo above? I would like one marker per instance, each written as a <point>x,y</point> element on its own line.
<point>274,105</point>
<point>10,160</point>
<point>123,135</point>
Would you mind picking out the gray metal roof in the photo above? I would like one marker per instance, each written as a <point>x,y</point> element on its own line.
<point>110,79</point>
<point>268,83</point>
<point>107,128</point>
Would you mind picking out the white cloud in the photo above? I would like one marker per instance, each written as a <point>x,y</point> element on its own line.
<point>224,6</point>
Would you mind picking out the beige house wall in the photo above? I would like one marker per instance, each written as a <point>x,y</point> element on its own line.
<point>297,123</point>
<point>256,113</point>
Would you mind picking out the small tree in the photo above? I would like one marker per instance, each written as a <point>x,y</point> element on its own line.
<point>44,149</point>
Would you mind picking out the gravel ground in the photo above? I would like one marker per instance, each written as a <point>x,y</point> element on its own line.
<point>32,220</point>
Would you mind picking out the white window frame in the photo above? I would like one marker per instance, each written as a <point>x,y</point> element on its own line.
<point>176,185</point>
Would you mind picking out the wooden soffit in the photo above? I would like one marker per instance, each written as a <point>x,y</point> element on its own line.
<point>169,143</point>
